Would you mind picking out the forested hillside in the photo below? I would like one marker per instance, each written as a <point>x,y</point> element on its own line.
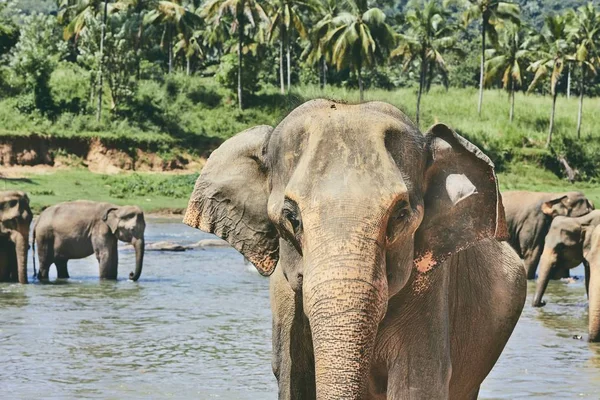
<point>176,77</point>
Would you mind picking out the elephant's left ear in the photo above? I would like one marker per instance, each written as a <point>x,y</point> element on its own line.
<point>461,199</point>
<point>230,199</point>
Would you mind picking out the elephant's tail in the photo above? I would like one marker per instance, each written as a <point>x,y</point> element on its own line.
<point>33,252</point>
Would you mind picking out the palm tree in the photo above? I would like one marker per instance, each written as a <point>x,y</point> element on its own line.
<point>551,55</point>
<point>286,18</point>
<point>316,49</point>
<point>74,14</point>
<point>586,32</point>
<point>77,13</point>
<point>508,60</point>
<point>428,35</point>
<point>175,17</point>
<point>243,12</point>
<point>489,13</point>
<point>191,45</point>
<point>360,38</point>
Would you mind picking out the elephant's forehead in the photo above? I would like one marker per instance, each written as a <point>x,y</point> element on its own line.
<point>10,195</point>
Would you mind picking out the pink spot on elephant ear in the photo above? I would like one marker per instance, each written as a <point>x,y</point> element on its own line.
<point>425,263</point>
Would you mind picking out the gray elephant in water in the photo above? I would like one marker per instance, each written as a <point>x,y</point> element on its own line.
<point>79,229</point>
<point>529,215</point>
<point>570,242</point>
<point>15,219</point>
<point>388,278</point>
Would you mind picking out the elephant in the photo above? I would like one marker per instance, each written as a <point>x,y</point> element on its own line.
<point>570,242</point>
<point>15,219</point>
<point>389,277</point>
<point>78,229</point>
<point>529,215</point>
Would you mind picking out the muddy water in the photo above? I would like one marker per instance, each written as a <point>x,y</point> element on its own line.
<point>197,325</point>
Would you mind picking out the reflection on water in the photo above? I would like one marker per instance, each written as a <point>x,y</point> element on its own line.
<point>197,325</point>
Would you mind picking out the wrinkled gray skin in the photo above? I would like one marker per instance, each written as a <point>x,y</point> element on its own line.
<point>361,218</point>
<point>78,229</point>
<point>570,242</point>
<point>529,215</point>
<point>15,219</point>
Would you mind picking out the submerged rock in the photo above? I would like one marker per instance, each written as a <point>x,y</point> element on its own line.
<point>170,246</point>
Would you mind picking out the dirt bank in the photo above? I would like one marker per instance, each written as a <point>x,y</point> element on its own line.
<point>102,156</point>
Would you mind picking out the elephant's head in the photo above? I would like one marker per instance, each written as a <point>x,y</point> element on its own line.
<point>128,225</point>
<point>15,219</point>
<point>570,204</point>
<point>351,201</point>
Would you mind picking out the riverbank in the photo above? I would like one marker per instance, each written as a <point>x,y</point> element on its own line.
<point>168,193</point>
<point>175,126</point>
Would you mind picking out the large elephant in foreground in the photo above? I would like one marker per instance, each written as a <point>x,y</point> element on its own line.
<point>570,242</point>
<point>15,219</point>
<point>79,229</point>
<point>529,215</point>
<point>388,278</point>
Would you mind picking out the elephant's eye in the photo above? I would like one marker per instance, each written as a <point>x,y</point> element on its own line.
<point>293,220</point>
<point>401,212</point>
<point>291,216</point>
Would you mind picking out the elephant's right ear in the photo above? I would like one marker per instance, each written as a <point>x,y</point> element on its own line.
<point>230,198</point>
<point>552,208</point>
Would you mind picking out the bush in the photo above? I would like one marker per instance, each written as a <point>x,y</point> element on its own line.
<point>70,87</point>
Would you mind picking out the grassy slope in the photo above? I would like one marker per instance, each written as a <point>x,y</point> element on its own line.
<point>456,107</point>
<point>152,192</point>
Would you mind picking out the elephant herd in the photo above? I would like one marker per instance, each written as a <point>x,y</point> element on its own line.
<point>397,268</point>
<point>64,232</point>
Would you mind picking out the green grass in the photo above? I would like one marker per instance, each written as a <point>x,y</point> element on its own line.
<point>531,177</point>
<point>152,192</point>
<point>161,192</point>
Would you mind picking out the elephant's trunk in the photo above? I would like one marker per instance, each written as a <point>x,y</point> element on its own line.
<point>594,287</point>
<point>594,317</point>
<point>21,241</point>
<point>345,298</point>
<point>139,245</point>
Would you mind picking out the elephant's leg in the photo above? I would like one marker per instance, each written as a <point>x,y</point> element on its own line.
<point>13,270</point>
<point>292,357</point>
<point>45,252</point>
<point>560,273</point>
<point>412,340</point>
<point>531,261</point>
<point>547,264</point>
<point>61,269</point>
<point>474,395</point>
<point>4,267</point>
<point>586,267</point>
<point>106,252</point>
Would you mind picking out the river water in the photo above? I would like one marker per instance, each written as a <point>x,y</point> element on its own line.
<point>198,325</point>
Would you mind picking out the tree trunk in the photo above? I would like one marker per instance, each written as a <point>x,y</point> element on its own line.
<point>482,66</point>
<point>281,78</point>
<point>324,71</point>
<point>289,64</point>
<point>581,91</point>
<point>100,78</point>
<point>551,129</point>
<point>569,81</point>
<point>187,67</point>
<point>170,44</point>
<point>360,83</point>
<point>512,102</point>
<point>240,45</point>
<point>421,84</point>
